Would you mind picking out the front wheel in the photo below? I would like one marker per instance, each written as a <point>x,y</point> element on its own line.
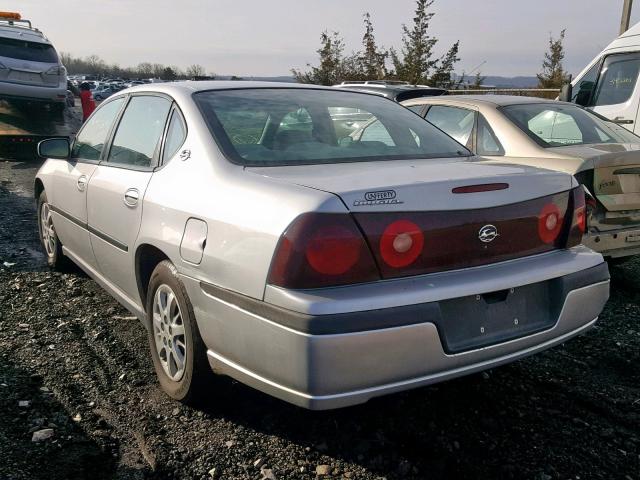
<point>48,237</point>
<point>178,352</point>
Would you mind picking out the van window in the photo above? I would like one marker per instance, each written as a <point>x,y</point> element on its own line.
<point>618,79</point>
<point>584,87</point>
<point>30,51</point>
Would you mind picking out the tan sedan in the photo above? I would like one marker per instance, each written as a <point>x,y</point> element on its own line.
<point>602,155</point>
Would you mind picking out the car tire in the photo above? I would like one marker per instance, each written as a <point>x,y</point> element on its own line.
<point>177,350</point>
<point>49,240</point>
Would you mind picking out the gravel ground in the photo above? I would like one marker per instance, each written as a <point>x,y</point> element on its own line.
<point>76,366</point>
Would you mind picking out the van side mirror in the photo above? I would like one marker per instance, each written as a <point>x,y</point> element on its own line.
<point>566,92</point>
<point>58,148</point>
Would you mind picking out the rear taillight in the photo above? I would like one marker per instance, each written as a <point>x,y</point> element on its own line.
<point>320,250</point>
<point>579,219</point>
<point>401,243</point>
<point>549,223</point>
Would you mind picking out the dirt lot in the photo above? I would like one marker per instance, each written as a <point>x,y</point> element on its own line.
<point>73,361</point>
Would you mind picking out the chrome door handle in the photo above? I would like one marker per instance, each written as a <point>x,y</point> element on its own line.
<point>622,121</point>
<point>82,182</point>
<point>131,197</point>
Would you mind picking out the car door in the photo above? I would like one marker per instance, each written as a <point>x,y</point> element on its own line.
<point>611,88</point>
<point>117,187</point>
<point>68,196</point>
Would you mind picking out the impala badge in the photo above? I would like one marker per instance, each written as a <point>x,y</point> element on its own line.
<point>488,233</point>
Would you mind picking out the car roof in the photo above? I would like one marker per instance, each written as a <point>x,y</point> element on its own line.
<point>491,100</point>
<point>193,86</point>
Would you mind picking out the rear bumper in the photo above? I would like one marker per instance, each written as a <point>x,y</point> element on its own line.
<point>614,243</point>
<point>16,91</point>
<point>375,352</point>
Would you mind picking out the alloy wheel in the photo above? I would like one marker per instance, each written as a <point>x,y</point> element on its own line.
<point>168,332</point>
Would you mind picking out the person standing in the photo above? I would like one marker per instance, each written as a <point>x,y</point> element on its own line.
<point>86,99</point>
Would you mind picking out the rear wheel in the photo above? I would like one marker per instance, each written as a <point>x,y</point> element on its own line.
<point>48,237</point>
<point>178,352</point>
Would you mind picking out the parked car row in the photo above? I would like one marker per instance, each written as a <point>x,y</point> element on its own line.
<point>327,245</point>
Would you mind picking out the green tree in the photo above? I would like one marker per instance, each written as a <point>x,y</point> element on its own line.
<point>553,74</point>
<point>332,63</point>
<point>372,59</point>
<point>168,73</point>
<point>443,76</point>
<point>414,62</point>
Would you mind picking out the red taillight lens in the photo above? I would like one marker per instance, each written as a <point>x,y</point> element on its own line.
<point>320,250</point>
<point>579,220</point>
<point>550,223</point>
<point>333,250</point>
<point>401,243</point>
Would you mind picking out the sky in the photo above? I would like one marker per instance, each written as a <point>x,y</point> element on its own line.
<point>269,37</point>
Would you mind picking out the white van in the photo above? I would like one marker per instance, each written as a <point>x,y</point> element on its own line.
<point>30,68</point>
<point>609,84</point>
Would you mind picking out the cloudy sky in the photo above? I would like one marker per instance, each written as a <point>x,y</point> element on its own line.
<point>269,37</point>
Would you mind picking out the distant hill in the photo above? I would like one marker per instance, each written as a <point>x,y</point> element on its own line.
<point>510,82</point>
<point>490,80</point>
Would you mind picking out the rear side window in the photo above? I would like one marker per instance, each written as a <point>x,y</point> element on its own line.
<point>176,134</point>
<point>455,122</point>
<point>30,51</point>
<point>91,139</point>
<point>618,79</point>
<point>487,141</point>
<point>139,131</point>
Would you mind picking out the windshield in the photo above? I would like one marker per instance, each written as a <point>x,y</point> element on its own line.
<point>557,125</point>
<point>31,51</point>
<point>286,126</point>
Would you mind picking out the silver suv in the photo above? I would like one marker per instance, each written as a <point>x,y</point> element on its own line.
<point>30,69</point>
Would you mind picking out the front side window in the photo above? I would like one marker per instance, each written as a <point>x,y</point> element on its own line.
<point>287,126</point>
<point>556,125</point>
<point>90,141</point>
<point>416,108</point>
<point>29,51</point>
<point>454,121</point>
<point>139,131</point>
<point>618,79</point>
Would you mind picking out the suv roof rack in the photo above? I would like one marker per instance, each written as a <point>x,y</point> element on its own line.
<point>14,20</point>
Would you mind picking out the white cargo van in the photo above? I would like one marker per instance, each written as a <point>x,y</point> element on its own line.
<point>609,84</point>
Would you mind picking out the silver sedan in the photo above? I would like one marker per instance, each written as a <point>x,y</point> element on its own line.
<point>603,156</point>
<point>254,236</point>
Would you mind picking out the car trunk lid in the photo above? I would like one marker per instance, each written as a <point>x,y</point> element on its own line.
<point>422,217</point>
<point>616,173</point>
<point>423,185</point>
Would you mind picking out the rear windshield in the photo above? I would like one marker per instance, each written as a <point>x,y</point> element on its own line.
<point>31,51</point>
<point>286,126</point>
<point>557,125</point>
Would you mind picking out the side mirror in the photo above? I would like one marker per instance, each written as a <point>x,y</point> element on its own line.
<point>566,92</point>
<point>58,148</point>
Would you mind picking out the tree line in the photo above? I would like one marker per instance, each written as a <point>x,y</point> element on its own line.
<point>94,65</point>
<point>413,62</point>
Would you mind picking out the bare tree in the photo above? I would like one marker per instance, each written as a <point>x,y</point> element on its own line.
<point>195,70</point>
